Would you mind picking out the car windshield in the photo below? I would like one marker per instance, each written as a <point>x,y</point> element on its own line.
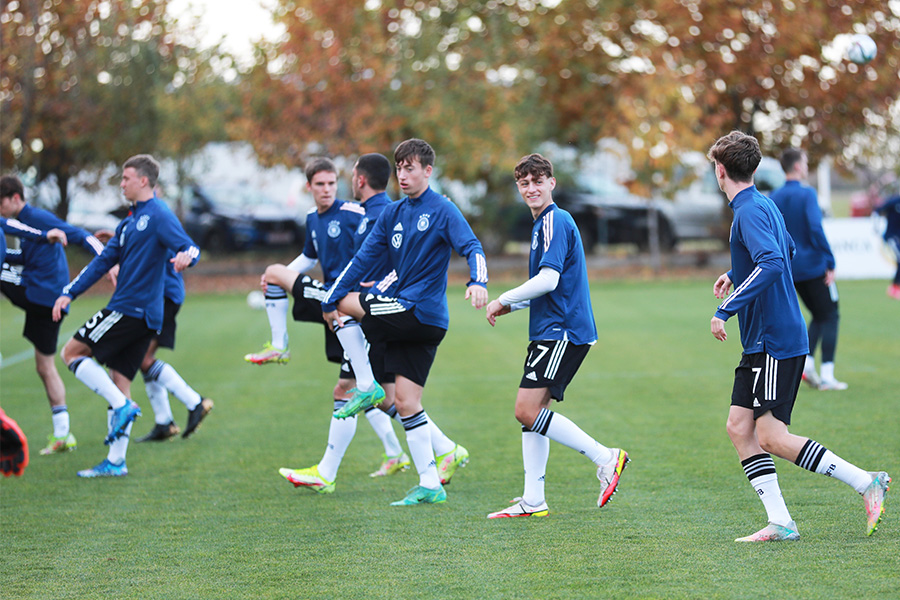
<point>237,197</point>
<point>600,185</point>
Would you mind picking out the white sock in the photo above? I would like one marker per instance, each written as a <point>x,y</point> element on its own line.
<point>440,443</point>
<point>560,429</point>
<point>159,401</point>
<point>817,458</point>
<point>354,343</point>
<point>119,447</point>
<point>277,310</point>
<point>535,452</point>
<point>769,492</point>
<point>340,434</point>
<point>383,427</point>
<point>60,418</point>
<point>91,374</point>
<point>173,382</point>
<point>810,363</point>
<point>827,371</point>
<point>418,438</point>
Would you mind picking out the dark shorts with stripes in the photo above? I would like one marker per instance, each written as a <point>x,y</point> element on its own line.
<point>40,328</point>
<point>552,364</point>
<point>308,294</point>
<point>400,344</point>
<point>763,383</point>
<point>166,336</point>
<point>116,340</point>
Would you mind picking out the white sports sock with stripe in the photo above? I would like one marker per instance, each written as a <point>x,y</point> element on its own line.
<point>562,430</point>
<point>354,343</point>
<point>277,310</point>
<point>535,453</point>
<point>90,373</point>
<point>340,434</point>
<point>384,429</point>
<point>119,447</point>
<point>159,401</point>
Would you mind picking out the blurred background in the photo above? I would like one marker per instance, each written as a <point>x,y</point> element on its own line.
<point>625,97</point>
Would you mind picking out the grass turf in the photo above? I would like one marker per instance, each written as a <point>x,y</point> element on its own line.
<point>210,517</point>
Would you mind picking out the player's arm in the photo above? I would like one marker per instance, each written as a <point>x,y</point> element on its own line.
<point>520,297</point>
<point>26,232</point>
<point>817,232</point>
<point>372,249</point>
<point>77,235</point>
<point>88,276</point>
<point>464,242</point>
<point>173,237</point>
<point>758,237</point>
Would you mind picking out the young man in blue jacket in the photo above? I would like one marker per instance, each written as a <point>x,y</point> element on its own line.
<point>812,266</point>
<point>890,209</point>
<point>417,235</point>
<point>119,335</point>
<point>34,289</point>
<point>561,331</point>
<point>773,335</point>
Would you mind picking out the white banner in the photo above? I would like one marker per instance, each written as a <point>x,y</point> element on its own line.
<point>859,250</point>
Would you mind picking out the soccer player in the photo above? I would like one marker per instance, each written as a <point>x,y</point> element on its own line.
<point>812,266</point>
<point>34,289</point>
<point>561,330</point>
<point>330,230</point>
<point>118,336</point>
<point>773,335</point>
<point>160,377</point>
<point>416,235</point>
<point>891,210</point>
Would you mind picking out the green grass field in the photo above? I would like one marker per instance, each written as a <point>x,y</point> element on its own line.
<point>210,517</point>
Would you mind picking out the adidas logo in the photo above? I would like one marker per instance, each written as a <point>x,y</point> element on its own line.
<point>531,376</point>
<point>398,227</point>
<point>755,403</point>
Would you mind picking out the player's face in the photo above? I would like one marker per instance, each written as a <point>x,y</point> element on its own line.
<point>803,167</point>
<point>6,207</point>
<point>412,177</point>
<point>537,192</point>
<point>132,184</point>
<point>323,187</point>
<point>354,184</point>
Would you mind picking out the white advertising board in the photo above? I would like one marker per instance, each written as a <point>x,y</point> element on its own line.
<point>859,250</point>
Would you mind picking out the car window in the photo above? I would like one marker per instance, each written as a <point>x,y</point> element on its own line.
<point>236,197</point>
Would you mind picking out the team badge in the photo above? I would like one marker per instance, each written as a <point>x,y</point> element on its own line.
<point>363,225</point>
<point>334,229</point>
<point>397,240</point>
<point>142,222</point>
<point>534,241</point>
<point>422,225</point>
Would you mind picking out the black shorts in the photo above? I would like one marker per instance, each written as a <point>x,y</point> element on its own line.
<point>820,299</point>
<point>40,328</point>
<point>552,364</point>
<point>763,383</point>
<point>116,340</point>
<point>166,336</point>
<point>308,294</point>
<point>404,346</point>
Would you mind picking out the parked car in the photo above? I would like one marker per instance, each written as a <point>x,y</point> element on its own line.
<point>233,217</point>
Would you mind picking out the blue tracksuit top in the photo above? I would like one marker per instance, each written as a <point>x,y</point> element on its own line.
<point>891,210</point>
<point>799,206</point>
<point>141,247</point>
<point>329,237</point>
<point>46,270</point>
<point>416,234</point>
<point>20,230</point>
<point>764,298</point>
<point>374,206</point>
<point>565,313</point>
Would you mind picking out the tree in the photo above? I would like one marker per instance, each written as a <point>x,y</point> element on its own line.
<point>87,83</point>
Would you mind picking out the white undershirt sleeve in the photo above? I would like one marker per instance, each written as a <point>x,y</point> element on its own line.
<point>545,281</point>
<point>302,264</point>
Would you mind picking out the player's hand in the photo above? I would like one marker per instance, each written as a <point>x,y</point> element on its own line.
<point>367,284</point>
<point>717,328</point>
<point>721,287</point>
<point>55,236</point>
<point>330,318</point>
<point>13,447</point>
<point>61,304</point>
<point>181,261</point>
<point>829,277</point>
<point>113,275</point>
<point>478,295</point>
<point>494,310</point>
<point>104,235</point>
<point>263,284</point>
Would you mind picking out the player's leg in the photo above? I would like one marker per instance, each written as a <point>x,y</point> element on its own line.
<point>893,289</point>
<point>822,301</point>
<point>164,422</point>
<point>279,280</point>
<point>742,430</point>
<point>381,419</point>
<point>805,291</point>
<point>774,437</point>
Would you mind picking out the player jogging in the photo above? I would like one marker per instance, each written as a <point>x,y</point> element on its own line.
<point>773,335</point>
<point>561,330</point>
<point>416,234</point>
